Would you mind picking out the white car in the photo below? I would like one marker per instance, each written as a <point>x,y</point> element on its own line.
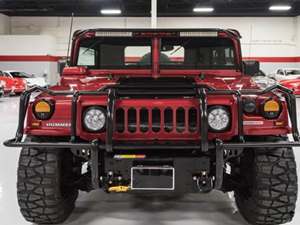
<point>286,74</point>
<point>30,79</point>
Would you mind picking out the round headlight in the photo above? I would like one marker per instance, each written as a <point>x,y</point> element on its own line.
<point>218,118</point>
<point>249,105</point>
<point>94,119</point>
<point>43,109</point>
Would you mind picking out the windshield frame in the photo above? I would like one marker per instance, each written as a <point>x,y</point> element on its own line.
<point>91,33</point>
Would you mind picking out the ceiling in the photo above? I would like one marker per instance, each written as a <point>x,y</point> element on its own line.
<point>143,7</point>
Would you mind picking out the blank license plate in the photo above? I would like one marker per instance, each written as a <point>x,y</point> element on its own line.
<point>152,178</point>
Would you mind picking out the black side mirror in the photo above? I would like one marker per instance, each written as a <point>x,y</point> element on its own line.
<point>251,68</point>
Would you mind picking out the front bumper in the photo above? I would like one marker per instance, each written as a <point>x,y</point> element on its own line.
<point>98,152</point>
<point>98,148</point>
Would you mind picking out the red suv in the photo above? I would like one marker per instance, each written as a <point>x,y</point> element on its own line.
<point>157,111</point>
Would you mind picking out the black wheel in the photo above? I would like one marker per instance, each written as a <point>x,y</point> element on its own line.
<point>270,185</point>
<point>45,191</point>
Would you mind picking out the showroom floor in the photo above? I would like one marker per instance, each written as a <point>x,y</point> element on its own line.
<point>99,208</point>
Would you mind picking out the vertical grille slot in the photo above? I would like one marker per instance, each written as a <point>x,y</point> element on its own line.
<point>168,119</point>
<point>192,120</point>
<point>132,120</point>
<point>180,120</point>
<point>120,120</point>
<point>144,120</point>
<point>156,120</point>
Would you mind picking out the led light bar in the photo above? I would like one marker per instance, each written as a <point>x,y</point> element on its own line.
<point>113,34</point>
<point>198,34</point>
<point>280,7</point>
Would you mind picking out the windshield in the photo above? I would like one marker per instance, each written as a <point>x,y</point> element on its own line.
<point>21,75</point>
<point>115,53</point>
<point>197,53</point>
<point>292,72</point>
<point>175,53</point>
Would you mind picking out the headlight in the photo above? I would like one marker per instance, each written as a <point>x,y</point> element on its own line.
<point>94,119</point>
<point>249,105</point>
<point>271,109</point>
<point>218,118</point>
<point>43,109</point>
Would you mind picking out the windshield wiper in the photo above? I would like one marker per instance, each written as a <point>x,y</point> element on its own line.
<point>91,46</point>
<point>180,47</point>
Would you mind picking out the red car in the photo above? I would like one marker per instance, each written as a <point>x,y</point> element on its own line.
<point>168,111</point>
<point>12,85</point>
<point>293,85</point>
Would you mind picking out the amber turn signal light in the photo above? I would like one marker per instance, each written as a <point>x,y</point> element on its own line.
<point>271,109</point>
<point>43,109</point>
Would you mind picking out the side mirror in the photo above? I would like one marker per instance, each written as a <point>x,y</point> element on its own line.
<point>251,68</point>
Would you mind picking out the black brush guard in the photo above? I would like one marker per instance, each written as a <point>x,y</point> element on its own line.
<point>113,91</point>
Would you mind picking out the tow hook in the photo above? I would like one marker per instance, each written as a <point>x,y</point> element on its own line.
<point>203,182</point>
<point>118,189</point>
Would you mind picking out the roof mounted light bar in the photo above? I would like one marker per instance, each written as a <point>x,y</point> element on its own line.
<point>198,34</point>
<point>113,34</point>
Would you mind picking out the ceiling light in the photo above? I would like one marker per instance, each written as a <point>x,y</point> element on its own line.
<point>280,7</point>
<point>110,11</point>
<point>203,9</point>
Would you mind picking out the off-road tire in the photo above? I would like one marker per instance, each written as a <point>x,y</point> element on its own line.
<point>270,194</point>
<point>43,194</point>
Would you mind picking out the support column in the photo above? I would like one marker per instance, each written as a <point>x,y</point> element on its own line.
<point>153,14</point>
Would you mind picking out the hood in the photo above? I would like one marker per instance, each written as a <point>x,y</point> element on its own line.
<point>221,83</point>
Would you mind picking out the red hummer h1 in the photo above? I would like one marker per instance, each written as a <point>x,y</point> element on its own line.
<point>147,111</point>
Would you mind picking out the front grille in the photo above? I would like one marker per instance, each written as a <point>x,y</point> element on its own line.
<point>157,120</point>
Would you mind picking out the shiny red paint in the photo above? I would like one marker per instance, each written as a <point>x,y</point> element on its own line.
<point>292,84</point>
<point>80,78</point>
<point>13,85</point>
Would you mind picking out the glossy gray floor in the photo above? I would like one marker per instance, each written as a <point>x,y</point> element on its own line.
<point>115,209</point>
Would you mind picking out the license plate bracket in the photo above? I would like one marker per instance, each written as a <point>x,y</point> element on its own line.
<point>153,178</point>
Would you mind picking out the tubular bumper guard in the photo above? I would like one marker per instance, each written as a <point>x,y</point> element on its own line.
<point>200,91</point>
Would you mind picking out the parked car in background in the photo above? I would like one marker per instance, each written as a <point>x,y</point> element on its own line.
<point>293,85</point>
<point>12,85</point>
<point>286,74</point>
<point>2,84</point>
<point>30,79</point>
<point>288,77</point>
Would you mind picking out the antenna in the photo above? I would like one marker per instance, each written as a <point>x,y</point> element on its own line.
<point>70,38</point>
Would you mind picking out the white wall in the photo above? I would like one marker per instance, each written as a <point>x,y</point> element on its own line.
<point>27,45</point>
<point>4,24</point>
<point>261,36</point>
<point>59,27</point>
